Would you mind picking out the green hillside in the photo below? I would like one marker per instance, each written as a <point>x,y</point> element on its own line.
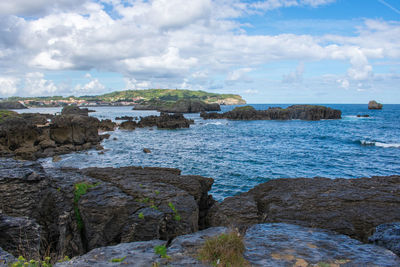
<point>166,95</point>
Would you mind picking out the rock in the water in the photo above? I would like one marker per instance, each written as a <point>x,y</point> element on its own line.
<point>348,206</point>
<point>374,105</point>
<point>74,110</point>
<point>124,118</point>
<point>180,106</point>
<point>279,244</point>
<point>298,112</point>
<point>189,106</point>
<point>11,105</point>
<point>6,258</point>
<point>107,125</point>
<point>363,116</point>
<point>387,235</point>
<point>146,150</point>
<point>128,125</point>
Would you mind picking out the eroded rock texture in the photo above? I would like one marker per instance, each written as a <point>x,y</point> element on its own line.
<point>348,206</point>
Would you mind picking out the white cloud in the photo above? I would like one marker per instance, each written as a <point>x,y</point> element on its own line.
<point>37,7</point>
<point>295,76</point>
<point>93,86</point>
<point>274,4</point>
<point>344,83</point>
<point>36,85</point>
<point>238,75</point>
<point>8,86</point>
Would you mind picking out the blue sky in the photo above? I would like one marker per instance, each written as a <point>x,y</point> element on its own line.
<point>268,51</point>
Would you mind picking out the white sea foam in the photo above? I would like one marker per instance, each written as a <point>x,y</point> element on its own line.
<point>379,144</point>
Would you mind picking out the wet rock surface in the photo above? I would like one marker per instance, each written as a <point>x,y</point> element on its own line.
<point>295,112</point>
<point>279,244</point>
<point>117,205</point>
<point>348,206</point>
<point>387,236</point>
<point>74,110</point>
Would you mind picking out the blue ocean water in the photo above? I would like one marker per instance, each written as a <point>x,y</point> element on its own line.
<point>242,154</point>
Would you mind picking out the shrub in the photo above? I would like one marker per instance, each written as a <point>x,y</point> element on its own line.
<point>162,251</point>
<point>224,250</point>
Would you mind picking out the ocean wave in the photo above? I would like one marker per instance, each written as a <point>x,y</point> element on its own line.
<point>379,144</point>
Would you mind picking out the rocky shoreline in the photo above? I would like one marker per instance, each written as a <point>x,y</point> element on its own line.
<point>117,216</point>
<point>146,207</point>
<point>295,112</point>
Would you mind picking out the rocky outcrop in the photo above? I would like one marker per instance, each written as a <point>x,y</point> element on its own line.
<point>107,125</point>
<point>11,105</point>
<point>32,136</point>
<point>73,211</point>
<point>180,106</point>
<point>280,244</point>
<point>348,206</point>
<point>295,112</point>
<point>267,245</point>
<point>374,105</point>
<point>164,121</point>
<point>74,110</point>
<point>388,236</point>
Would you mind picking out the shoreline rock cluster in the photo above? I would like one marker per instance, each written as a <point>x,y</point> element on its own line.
<point>180,106</point>
<point>45,210</point>
<point>299,112</point>
<point>374,105</point>
<point>164,121</point>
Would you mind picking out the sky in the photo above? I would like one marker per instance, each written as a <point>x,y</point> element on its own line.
<point>268,51</point>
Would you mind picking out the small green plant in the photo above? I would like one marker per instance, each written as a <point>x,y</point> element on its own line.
<point>177,217</point>
<point>157,192</point>
<point>162,251</point>
<point>141,215</point>
<point>66,258</point>
<point>155,264</point>
<point>154,207</point>
<point>80,190</point>
<point>22,262</point>
<point>118,259</point>
<point>224,250</point>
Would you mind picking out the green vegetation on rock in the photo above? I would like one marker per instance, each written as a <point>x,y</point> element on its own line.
<point>224,250</point>
<point>80,190</point>
<point>118,259</point>
<point>244,108</point>
<point>4,114</point>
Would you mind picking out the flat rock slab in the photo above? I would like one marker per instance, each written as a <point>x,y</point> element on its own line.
<point>280,244</point>
<point>6,258</point>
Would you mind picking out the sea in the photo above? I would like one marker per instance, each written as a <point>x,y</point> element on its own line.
<point>238,155</point>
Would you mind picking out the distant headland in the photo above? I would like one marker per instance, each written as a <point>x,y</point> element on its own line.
<point>130,97</point>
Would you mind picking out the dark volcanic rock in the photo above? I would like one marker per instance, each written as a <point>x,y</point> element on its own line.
<point>74,110</point>
<point>387,235</point>
<point>32,136</point>
<point>348,206</point>
<point>164,121</point>
<point>189,106</point>
<point>374,105</point>
<point>11,105</point>
<point>299,112</point>
<point>180,106</point>
<point>363,116</point>
<point>120,205</point>
<point>74,129</point>
<point>279,244</point>
<point>128,125</point>
<point>6,258</point>
<point>107,125</point>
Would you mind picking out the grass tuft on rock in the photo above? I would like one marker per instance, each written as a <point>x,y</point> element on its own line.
<point>80,190</point>
<point>224,250</point>
<point>4,114</point>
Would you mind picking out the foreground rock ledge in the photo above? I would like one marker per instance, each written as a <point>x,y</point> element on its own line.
<point>348,206</point>
<point>267,245</point>
<point>295,112</point>
<point>39,213</point>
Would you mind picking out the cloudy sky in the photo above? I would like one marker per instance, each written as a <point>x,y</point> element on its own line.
<point>268,51</point>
